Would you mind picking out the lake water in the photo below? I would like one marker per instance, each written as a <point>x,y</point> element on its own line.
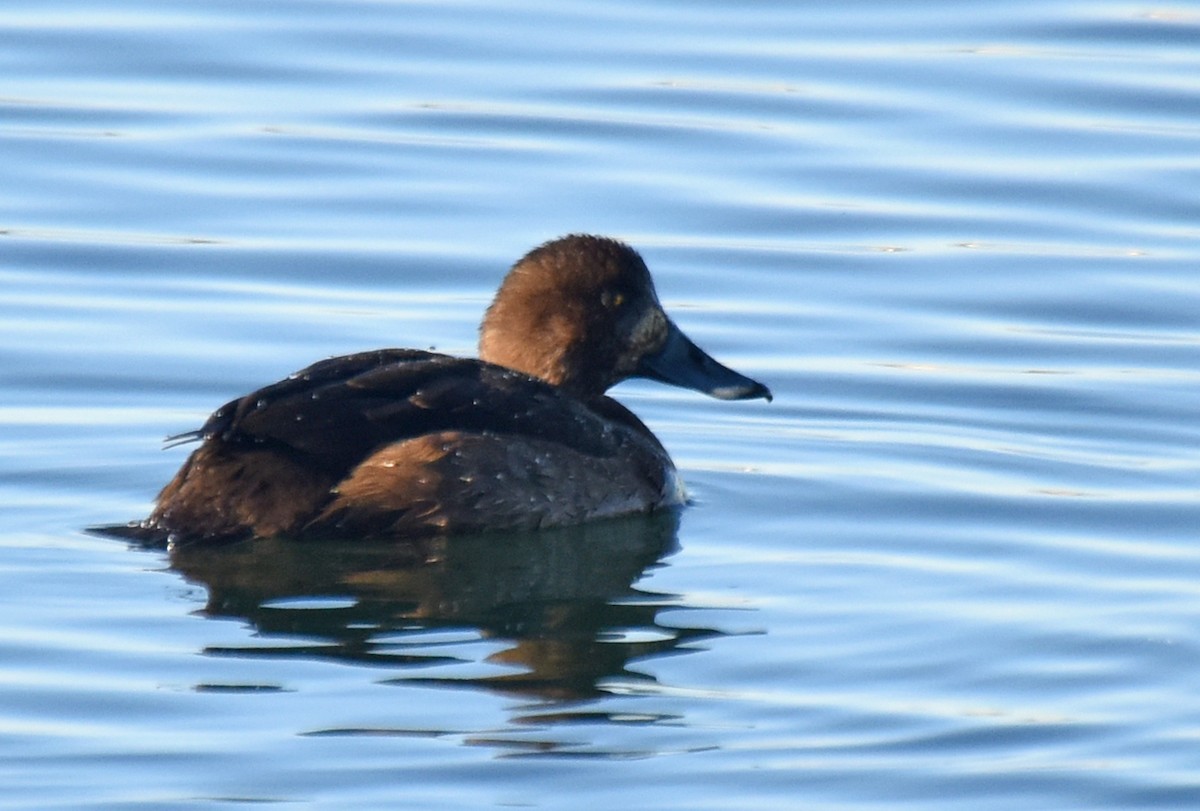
<point>955,564</point>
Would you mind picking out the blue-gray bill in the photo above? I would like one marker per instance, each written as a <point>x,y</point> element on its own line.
<point>681,363</point>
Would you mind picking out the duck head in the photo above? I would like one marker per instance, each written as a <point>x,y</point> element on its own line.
<point>580,312</point>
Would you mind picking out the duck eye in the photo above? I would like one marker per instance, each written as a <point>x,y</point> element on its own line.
<point>612,299</point>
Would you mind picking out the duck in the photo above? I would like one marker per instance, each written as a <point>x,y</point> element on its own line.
<point>407,443</point>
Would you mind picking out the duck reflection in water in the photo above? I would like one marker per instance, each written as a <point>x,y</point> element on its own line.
<point>449,464</point>
<point>562,601</point>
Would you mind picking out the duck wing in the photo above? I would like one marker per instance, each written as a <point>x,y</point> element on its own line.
<point>337,411</point>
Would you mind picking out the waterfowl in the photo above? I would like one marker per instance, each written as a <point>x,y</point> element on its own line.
<point>408,443</point>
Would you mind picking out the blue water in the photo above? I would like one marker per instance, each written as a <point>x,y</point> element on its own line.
<point>955,563</point>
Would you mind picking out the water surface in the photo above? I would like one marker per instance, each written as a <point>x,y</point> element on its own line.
<point>953,564</point>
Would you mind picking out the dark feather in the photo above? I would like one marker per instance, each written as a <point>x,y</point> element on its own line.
<point>336,412</point>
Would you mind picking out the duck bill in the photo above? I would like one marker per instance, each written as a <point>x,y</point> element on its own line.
<point>681,363</point>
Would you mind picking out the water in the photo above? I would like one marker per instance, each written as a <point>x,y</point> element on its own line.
<point>954,564</point>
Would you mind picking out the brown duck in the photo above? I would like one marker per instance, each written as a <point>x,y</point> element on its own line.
<point>406,443</point>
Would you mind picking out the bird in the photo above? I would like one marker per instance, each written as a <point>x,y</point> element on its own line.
<point>407,443</point>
